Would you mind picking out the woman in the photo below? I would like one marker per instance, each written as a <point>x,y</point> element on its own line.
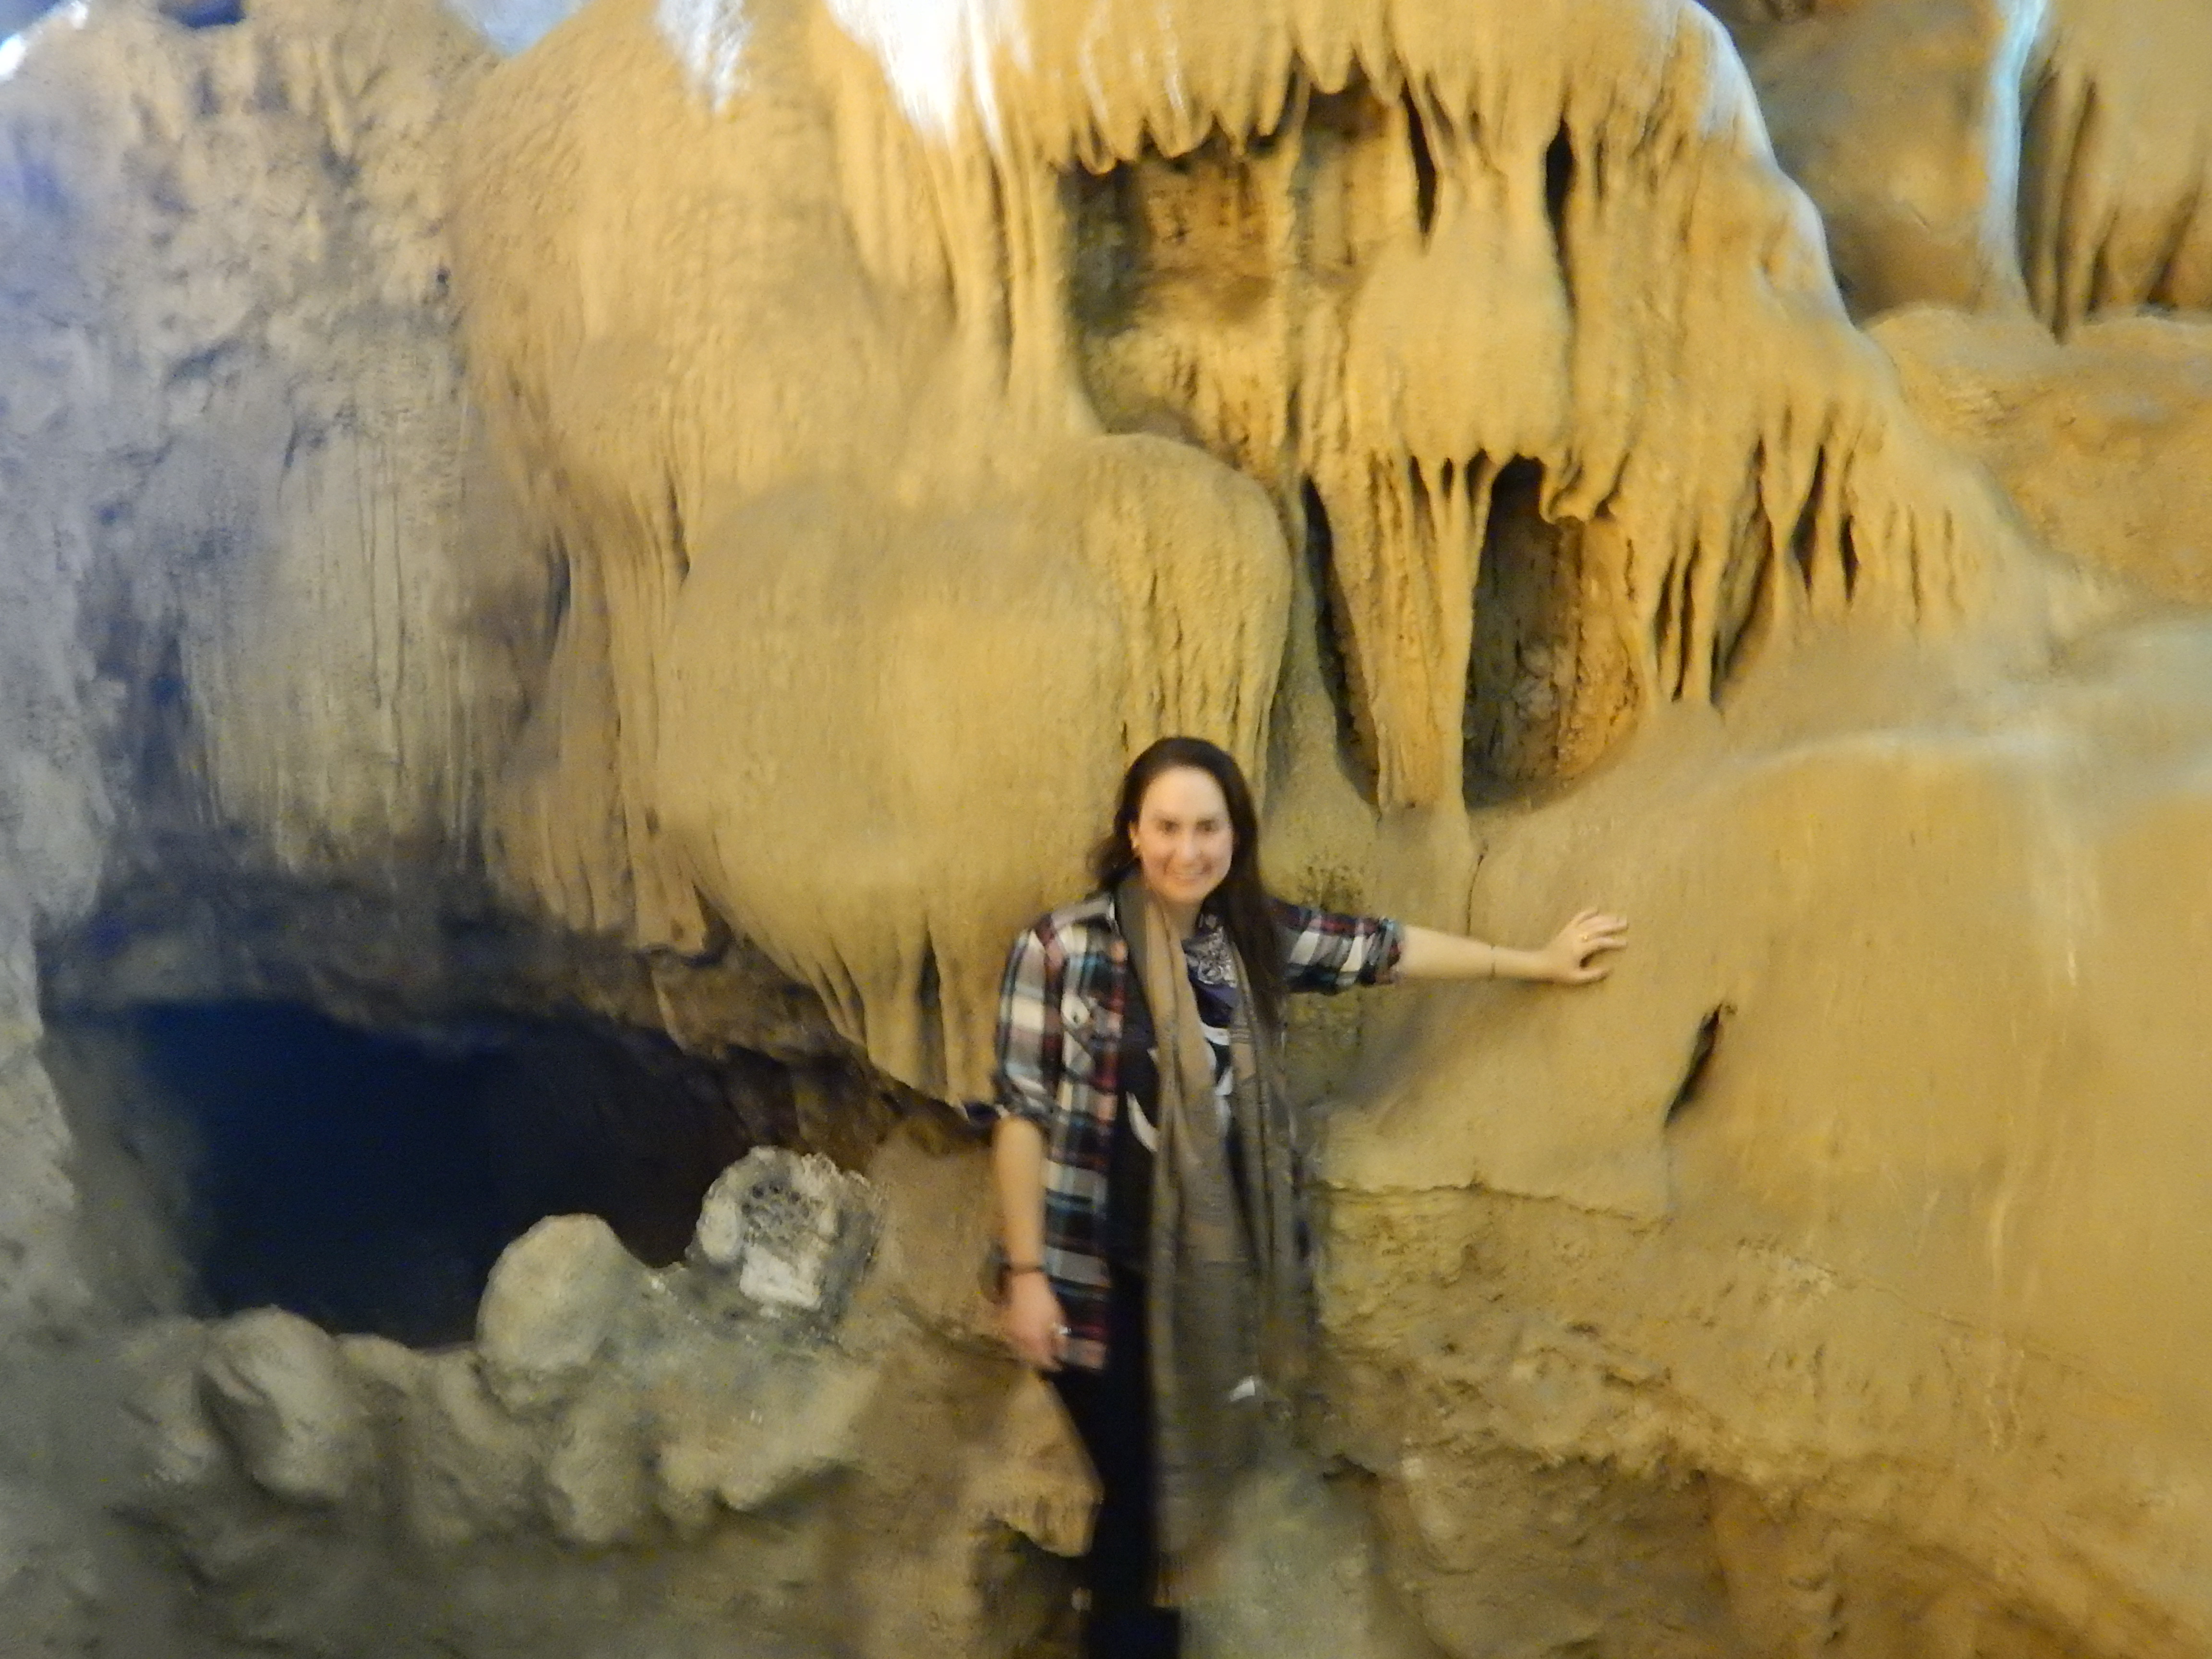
<point>1154,1267</point>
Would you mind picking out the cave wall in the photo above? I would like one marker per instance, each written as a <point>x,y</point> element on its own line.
<point>2002,156</point>
<point>1619,560</point>
<point>1445,266</point>
<point>230,414</point>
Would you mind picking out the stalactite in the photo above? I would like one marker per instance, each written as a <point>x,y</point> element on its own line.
<point>2116,195</point>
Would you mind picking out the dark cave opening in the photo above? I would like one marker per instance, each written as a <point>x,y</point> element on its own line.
<point>1425,164</point>
<point>368,1180</point>
<point>206,13</point>
<point>1330,628</point>
<point>1520,674</point>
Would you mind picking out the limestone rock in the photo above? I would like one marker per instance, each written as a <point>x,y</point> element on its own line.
<point>1430,400</point>
<point>51,1583</point>
<point>48,1291</point>
<point>553,1299</point>
<point>792,1232</point>
<point>181,1451</point>
<point>390,1373</point>
<point>280,1389</point>
<point>2104,441</point>
<point>1300,1575</point>
<point>1800,1274</point>
<point>468,1469</point>
<point>1989,152</point>
<point>392,1377</point>
<point>940,1221</point>
<point>596,1489</point>
<point>1902,120</point>
<point>1631,360</point>
<point>745,1444</point>
<point>1039,1480</point>
<point>296,412</point>
<point>2116,187</point>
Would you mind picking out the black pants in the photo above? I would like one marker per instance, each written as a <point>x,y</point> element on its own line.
<point>1113,1411</point>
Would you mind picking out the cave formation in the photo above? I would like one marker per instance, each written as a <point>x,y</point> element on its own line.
<point>568,576</point>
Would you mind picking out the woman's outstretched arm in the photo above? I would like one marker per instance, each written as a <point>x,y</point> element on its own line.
<point>1570,958</point>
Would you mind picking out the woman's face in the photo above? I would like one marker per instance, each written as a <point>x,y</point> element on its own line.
<point>1181,837</point>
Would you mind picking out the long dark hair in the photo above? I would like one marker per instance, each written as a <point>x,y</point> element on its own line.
<point>1241,902</point>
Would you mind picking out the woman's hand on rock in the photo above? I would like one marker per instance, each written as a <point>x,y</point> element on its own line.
<point>1572,957</point>
<point>1036,1327</point>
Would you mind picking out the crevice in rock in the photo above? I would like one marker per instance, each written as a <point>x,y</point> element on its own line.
<point>929,999</point>
<point>1356,752</point>
<point>1105,249</point>
<point>1805,535</point>
<point>679,546</point>
<point>1425,164</point>
<point>1703,1045</point>
<point>1547,686</point>
<point>1746,600</point>
<point>559,585</point>
<point>1559,174</point>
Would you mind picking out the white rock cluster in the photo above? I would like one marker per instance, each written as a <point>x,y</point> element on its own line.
<point>600,1401</point>
<point>794,1235</point>
<point>802,1433</point>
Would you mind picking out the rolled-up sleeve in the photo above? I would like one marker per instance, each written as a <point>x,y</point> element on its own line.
<point>1325,952</point>
<point>1030,1036</point>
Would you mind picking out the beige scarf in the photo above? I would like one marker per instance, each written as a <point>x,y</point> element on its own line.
<point>1228,1297</point>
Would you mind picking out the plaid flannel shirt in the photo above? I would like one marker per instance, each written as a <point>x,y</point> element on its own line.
<point>1067,986</point>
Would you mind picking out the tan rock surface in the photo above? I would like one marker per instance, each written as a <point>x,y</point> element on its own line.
<point>1722,455</point>
<point>1900,1269</point>
<point>1970,152</point>
<point>1902,119</point>
<point>2115,209</point>
<point>2105,443</point>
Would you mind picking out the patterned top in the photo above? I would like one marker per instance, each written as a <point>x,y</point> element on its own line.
<point>1067,988</point>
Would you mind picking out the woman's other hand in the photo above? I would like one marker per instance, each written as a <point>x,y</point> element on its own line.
<point>1036,1327</point>
<point>1572,957</point>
